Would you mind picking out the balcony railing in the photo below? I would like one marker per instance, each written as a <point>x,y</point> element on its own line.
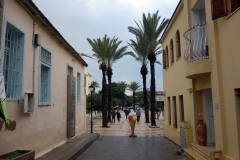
<point>196,48</point>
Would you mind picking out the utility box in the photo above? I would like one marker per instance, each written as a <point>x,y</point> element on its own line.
<point>185,137</point>
<point>28,103</point>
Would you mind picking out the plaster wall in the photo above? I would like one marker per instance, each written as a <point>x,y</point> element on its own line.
<point>46,127</point>
<point>229,58</point>
<point>175,83</point>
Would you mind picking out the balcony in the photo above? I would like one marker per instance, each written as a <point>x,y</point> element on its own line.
<point>197,45</point>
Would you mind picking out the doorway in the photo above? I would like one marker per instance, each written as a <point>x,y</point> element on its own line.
<point>209,116</point>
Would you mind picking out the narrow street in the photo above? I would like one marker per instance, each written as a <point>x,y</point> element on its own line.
<point>115,143</point>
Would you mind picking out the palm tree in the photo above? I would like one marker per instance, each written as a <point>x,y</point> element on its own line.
<point>95,84</point>
<point>140,49</point>
<point>151,30</point>
<point>102,48</point>
<point>113,57</point>
<point>134,86</point>
<point>121,87</point>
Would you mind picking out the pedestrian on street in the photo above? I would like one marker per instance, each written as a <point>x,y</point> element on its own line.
<point>138,114</point>
<point>113,113</point>
<point>118,116</point>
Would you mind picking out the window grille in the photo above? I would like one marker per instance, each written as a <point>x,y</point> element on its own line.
<point>45,78</point>
<point>12,61</point>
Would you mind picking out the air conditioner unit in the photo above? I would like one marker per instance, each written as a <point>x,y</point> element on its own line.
<point>28,102</point>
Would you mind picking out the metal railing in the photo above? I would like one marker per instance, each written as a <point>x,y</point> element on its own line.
<point>197,46</point>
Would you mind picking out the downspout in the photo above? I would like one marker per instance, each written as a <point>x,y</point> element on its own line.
<point>34,53</point>
<point>213,152</point>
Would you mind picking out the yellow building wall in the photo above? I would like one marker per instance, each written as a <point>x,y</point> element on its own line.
<point>227,42</point>
<point>219,73</point>
<point>174,80</point>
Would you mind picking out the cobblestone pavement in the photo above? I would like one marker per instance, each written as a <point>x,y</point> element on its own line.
<point>115,143</point>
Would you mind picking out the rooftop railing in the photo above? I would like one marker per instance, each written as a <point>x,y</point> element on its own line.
<point>197,46</point>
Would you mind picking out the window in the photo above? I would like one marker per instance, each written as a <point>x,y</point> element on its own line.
<point>169,111</point>
<point>234,5</point>
<point>171,51</point>
<point>164,59</point>
<point>13,61</point>
<point>167,58</point>
<point>237,107</point>
<point>78,87</point>
<point>181,105</point>
<point>178,45</point>
<point>45,77</point>
<point>174,112</point>
<point>69,70</point>
<point>219,8</point>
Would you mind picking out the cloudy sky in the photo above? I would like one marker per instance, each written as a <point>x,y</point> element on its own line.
<point>78,20</point>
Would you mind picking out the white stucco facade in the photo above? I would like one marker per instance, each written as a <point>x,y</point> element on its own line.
<point>46,127</point>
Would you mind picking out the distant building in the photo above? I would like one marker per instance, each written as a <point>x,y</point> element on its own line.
<point>160,97</point>
<point>87,82</point>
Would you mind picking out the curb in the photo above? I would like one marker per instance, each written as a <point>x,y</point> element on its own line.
<point>79,152</point>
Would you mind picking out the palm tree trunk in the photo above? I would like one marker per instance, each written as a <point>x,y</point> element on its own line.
<point>109,96</point>
<point>145,98</point>
<point>122,100</point>
<point>144,73</point>
<point>134,101</point>
<point>153,109</point>
<point>104,99</point>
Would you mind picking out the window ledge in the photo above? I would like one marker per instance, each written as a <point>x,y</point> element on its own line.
<point>178,58</point>
<point>172,63</point>
<point>166,67</point>
<point>230,15</point>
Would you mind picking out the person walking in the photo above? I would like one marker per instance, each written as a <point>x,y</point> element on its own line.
<point>113,113</point>
<point>118,116</point>
<point>138,114</point>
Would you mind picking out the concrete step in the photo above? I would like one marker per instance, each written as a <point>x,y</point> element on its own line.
<point>193,155</point>
<point>203,150</point>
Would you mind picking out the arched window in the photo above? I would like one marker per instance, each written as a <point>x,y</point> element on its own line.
<point>167,59</point>
<point>164,59</point>
<point>171,51</point>
<point>178,44</point>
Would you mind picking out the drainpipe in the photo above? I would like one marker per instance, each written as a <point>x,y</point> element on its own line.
<point>213,152</point>
<point>34,53</point>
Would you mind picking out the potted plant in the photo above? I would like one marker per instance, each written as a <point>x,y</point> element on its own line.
<point>19,155</point>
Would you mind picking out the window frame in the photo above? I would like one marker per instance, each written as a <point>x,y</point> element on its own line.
<point>167,57</point>
<point>70,67</point>
<point>172,51</point>
<point>20,80</point>
<point>41,63</point>
<point>175,121</point>
<point>78,87</point>
<point>169,111</point>
<point>178,44</point>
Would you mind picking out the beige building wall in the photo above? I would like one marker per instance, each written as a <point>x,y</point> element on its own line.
<point>46,127</point>
<point>218,73</point>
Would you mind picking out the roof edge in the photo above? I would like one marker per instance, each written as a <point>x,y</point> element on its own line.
<point>33,9</point>
<point>176,11</point>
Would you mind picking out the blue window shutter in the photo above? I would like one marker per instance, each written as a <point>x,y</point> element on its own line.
<point>78,87</point>
<point>45,78</point>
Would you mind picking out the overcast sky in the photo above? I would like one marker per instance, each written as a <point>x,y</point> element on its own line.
<point>78,20</point>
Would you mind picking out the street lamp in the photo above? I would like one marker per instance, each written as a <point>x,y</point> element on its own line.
<point>92,88</point>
